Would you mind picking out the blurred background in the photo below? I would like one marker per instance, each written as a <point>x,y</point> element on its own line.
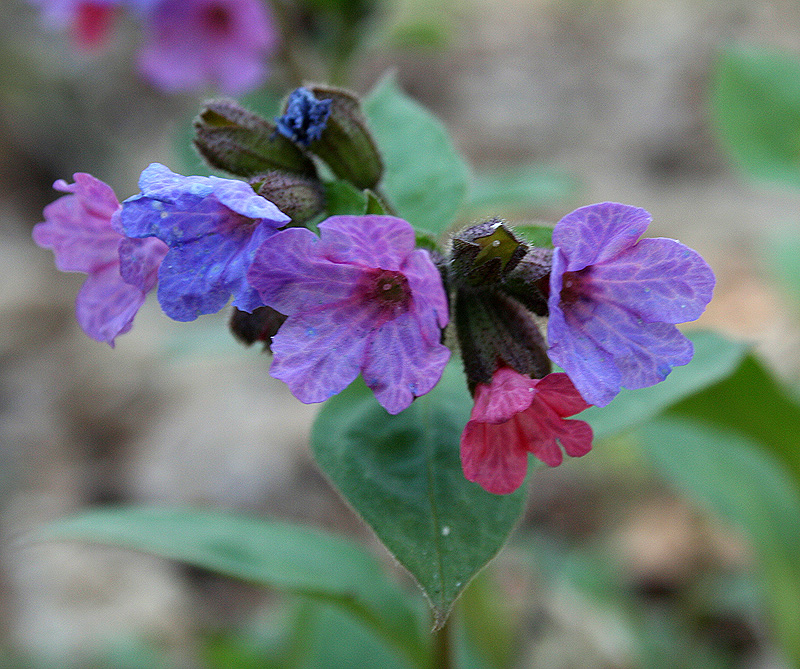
<point>612,566</point>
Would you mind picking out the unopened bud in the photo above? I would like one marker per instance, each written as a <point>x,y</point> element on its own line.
<point>329,121</point>
<point>298,197</point>
<point>494,331</point>
<point>261,325</point>
<point>483,255</point>
<point>235,140</point>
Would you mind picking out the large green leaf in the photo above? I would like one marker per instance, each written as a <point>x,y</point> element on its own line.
<point>425,177</point>
<point>298,559</point>
<point>751,401</point>
<point>715,358</point>
<point>403,475</point>
<point>756,106</point>
<point>735,478</point>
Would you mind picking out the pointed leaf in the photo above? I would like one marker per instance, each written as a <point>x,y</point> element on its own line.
<point>298,559</point>
<point>403,475</point>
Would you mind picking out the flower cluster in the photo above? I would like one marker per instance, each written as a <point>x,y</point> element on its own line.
<point>189,45</point>
<point>338,296</point>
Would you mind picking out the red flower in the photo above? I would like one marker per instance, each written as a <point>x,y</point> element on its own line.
<point>516,415</point>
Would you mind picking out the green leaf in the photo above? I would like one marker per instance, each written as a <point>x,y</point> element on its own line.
<point>341,197</point>
<point>536,235</point>
<point>298,559</point>
<point>751,401</point>
<point>425,178</point>
<point>756,107</point>
<point>735,478</point>
<point>522,188</point>
<point>374,205</point>
<point>715,358</point>
<point>403,475</point>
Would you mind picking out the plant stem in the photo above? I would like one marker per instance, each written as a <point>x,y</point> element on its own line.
<point>443,647</point>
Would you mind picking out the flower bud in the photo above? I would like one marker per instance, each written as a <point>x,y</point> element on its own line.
<point>495,331</point>
<point>329,121</point>
<point>298,197</point>
<point>261,325</point>
<point>233,139</point>
<point>529,280</point>
<point>483,255</point>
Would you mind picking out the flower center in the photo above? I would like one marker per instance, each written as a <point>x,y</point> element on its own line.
<point>217,18</point>
<point>388,290</point>
<point>575,287</point>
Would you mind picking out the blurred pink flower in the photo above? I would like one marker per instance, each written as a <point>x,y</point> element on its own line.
<point>194,44</point>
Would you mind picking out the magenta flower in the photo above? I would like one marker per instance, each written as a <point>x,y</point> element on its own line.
<point>89,21</point>
<point>517,415</point>
<point>78,227</point>
<point>614,300</point>
<point>212,226</point>
<point>193,44</point>
<point>359,298</point>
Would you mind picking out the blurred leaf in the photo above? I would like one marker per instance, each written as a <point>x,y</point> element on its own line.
<point>783,259</point>
<point>425,178</point>
<point>536,235</point>
<point>736,479</point>
<point>298,559</point>
<point>756,107</point>
<point>715,358</point>
<point>752,402</point>
<point>403,475</point>
<point>342,197</point>
<point>522,188</point>
<point>374,205</point>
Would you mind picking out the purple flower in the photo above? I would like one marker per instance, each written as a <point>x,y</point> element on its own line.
<point>88,20</point>
<point>79,229</point>
<point>614,300</point>
<point>359,298</point>
<point>305,117</point>
<point>198,43</point>
<point>212,226</point>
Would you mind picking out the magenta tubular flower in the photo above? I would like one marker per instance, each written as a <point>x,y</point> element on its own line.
<point>79,229</point>
<point>194,44</point>
<point>212,227</point>
<point>359,298</point>
<point>88,20</point>
<point>614,300</point>
<point>516,415</point>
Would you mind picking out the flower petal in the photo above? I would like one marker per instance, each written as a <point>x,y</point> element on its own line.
<point>316,357</point>
<point>509,393</point>
<point>399,364</point>
<point>106,305</point>
<point>494,456</point>
<point>661,280</point>
<point>598,232</point>
<point>369,241</point>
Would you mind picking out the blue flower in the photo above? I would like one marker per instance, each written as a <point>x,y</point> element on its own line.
<point>305,117</point>
<point>212,226</point>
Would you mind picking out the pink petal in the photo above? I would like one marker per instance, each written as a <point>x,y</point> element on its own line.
<point>494,456</point>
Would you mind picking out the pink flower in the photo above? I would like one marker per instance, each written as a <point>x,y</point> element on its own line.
<point>78,227</point>
<point>89,20</point>
<point>516,415</point>
<point>198,43</point>
<point>360,298</point>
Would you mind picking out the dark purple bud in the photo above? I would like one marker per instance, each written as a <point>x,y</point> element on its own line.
<point>298,197</point>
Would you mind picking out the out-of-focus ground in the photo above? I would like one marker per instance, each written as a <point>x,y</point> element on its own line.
<point>614,92</point>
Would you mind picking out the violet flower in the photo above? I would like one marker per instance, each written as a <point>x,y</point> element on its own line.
<point>305,117</point>
<point>516,415</point>
<point>193,44</point>
<point>212,226</point>
<point>79,229</point>
<point>614,300</point>
<point>359,298</point>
